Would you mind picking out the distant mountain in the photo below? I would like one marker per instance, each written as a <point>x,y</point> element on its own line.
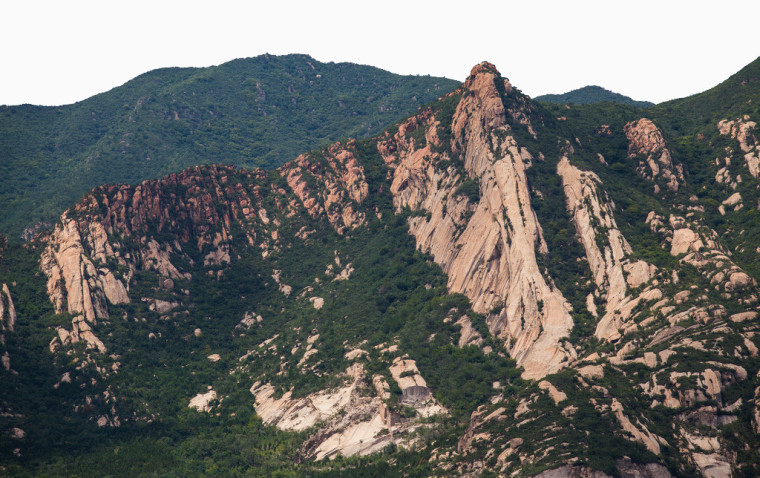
<point>254,112</point>
<point>591,94</point>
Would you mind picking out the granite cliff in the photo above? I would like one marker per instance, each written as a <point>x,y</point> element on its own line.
<point>489,286</point>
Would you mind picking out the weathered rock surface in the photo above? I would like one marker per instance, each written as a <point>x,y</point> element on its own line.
<point>75,285</point>
<point>468,334</point>
<point>198,208</point>
<point>355,422</point>
<point>341,185</point>
<point>556,395</point>
<point>7,310</point>
<point>646,139</point>
<point>465,179</point>
<point>741,129</point>
<point>606,248</point>
<point>640,434</point>
<point>488,249</point>
<point>202,401</point>
<point>626,468</point>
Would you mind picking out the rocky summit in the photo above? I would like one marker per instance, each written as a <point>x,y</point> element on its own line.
<point>490,287</point>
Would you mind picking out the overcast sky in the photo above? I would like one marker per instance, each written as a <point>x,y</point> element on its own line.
<point>59,52</point>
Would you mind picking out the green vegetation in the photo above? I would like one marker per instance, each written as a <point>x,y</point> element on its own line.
<point>254,112</point>
<point>591,94</point>
<point>396,295</point>
<point>470,189</point>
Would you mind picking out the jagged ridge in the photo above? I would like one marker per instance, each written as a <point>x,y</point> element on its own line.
<point>674,337</point>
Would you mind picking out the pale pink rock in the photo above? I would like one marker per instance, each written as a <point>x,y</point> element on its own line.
<point>556,395</point>
<point>202,401</point>
<point>499,232</point>
<point>7,310</point>
<point>592,371</point>
<point>644,436</point>
<point>733,200</point>
<point>646,139</point>
<point>685,240</point>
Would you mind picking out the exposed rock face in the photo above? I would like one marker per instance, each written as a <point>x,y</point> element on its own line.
<point>72,276</point>
<point>468,334</point>
<point>7,310</point>
<point>592,371</point>
<point>640,434</point>
<point>700,248</point>
<point>465,179</point>
<point>341,185</point>
<point>202,401</point>
<point>741,129</point>
<point>317,302</point>
<point>7,318</point>
<point>356,422</point>
<point>713,465</point>
<point>198,207</point>
<point>555,394</point>
<point>646,139</point>
<point>488,248</point>
<point>74,284</point>
<point>625,466</point>
<point>606,248</point>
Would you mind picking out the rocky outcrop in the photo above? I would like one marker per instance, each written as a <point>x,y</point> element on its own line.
<point>331,183</point>
<point>606,249</point>
<point>7,319</point>
<point>355,418</point>
<point>459,173</point>
<point>626,468</point>
<point>202,401</point>
<point>468,335</point>
<point>92,254</point>
<point>7,310</point>
<point>699,246</point>
<point>640,434</point>
<point>741,129</point>
<point>556,395</point>
<point>646,142</point>
<point>487,248</point>
<point>75,285</point>
<point>299,414</point>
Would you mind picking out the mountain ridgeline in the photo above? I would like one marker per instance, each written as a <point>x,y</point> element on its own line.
<point>254,112</point>
<point>591,94</point>
<point>493,286</point>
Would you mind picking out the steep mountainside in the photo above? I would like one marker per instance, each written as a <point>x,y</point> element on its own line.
<point>254,112</point>
<point>491,287</point>
<point>591,94</point>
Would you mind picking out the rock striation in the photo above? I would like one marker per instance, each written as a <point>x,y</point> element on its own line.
<point>75,285</point>
<point>355,417</point>
<point>486,247</point>
<point>93,252</point>
<point>676,340</point>
<point>7,310</point>
<point>607,251</point>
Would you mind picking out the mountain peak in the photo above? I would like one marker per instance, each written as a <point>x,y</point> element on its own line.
<point>483,80</point>
<point>484,67</point>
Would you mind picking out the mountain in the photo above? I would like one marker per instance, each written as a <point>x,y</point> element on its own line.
<point>253,112</point>
<point>591,94</point>
<point>491,287</point>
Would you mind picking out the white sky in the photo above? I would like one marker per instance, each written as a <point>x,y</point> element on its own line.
<point>59,52</point>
